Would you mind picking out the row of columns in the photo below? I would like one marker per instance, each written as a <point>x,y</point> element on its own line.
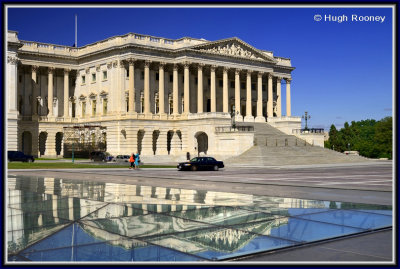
<point>186,91</point>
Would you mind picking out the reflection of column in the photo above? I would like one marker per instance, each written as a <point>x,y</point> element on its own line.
<point>162,142</point>
<point>50,91</point>
<point>259,117</point>
<point>147,143</point>
<point>270,101</point>
<point>278,98</point>
<point>55,208</point>
<point>213,93</point>
<point>70,208</point>
<point>34,89</point>
<point>186,88</point>
<point>225,90</point>
<point>249,116</point>
<point>131,85</point>
<point>200,88</point>
<point>146,87</point>
<point>175,91</point>
<point>161,97</point>
<point>237,91</point>
<point>66,92</point>
<point>288,108</point>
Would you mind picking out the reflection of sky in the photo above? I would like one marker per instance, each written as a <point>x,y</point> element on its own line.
<point>63,220</point>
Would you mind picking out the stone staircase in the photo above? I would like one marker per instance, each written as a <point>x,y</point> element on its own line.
<point>273,147</point>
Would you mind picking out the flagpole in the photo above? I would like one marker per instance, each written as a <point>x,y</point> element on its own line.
<point>76,31</point>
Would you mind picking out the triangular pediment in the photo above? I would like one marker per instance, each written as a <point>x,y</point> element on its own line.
<point>233,47</point>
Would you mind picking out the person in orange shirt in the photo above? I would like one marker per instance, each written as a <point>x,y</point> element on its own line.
<point>132,161</point>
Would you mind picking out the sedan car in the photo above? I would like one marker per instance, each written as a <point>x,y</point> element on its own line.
<point>201,163</point>
<point>121,158</point>
<point>19,156</point>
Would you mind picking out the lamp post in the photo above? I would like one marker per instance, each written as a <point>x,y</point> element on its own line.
<point>233,114</point>
<point>306,117</point>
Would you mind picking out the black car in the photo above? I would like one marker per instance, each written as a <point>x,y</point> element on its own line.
<point>98,156</point>
<point>19,156</point>
<point>201,163</point>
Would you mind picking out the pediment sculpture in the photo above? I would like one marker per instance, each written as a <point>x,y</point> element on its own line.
<point>232,49</point>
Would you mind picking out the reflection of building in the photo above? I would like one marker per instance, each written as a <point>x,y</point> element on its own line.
<point>159,96</point>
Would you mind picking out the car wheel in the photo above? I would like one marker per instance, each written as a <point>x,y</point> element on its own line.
<point>179,168</point>
<point>216,167</point>
<point>194,168</point>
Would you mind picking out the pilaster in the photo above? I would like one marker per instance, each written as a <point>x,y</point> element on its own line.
<point>249,117</point>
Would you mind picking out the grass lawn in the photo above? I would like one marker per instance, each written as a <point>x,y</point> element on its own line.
<point>21,165</point>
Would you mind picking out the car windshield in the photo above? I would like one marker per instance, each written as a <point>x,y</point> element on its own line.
<point>194,160</point>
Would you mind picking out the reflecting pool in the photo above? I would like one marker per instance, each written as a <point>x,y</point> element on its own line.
<point>54,219</point>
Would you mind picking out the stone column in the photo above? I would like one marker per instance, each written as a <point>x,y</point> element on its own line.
<point>34,89</point>
<point>200,88</point>
<point>147,143</point>
<point>161,88</point>
<point>278,99</point>
<point>249,116</point>
<point>288,108</point>
<point>186,88</point>
<point>225,91</point>
<point>270,101</point>
<point>213,92</point>
<point>237,96</point>
<point>131,87</point>
<point>175,91</point>
<point>66,92</point>
<point>12,94</point>
<point>162,142</point>
<point>146,109</point>
<point>260,117</point>
<point>50,91</point>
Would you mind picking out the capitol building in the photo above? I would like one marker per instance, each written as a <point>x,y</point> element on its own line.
<point>157,96</point>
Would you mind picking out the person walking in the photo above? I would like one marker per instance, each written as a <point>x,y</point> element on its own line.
<point>132,161</point>
<point>137,160</point>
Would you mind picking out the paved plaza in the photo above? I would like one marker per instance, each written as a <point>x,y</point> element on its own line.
<point>344,183</point>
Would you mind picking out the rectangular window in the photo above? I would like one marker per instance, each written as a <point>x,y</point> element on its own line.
<point>104,75</point>
<point>232,84</point>
<point>105,107</point>
<point>243,85</point>
<point>93,77</point>
<point>263,87</point>
<point>94,108</point>
<point>220,82</point>
<point>195,81</point>
<point>142,75</point>
<point>83,79</point>
<point>157,76</point>
<point>253,87</point>
<point>83,109</point>
<point>171,78</point>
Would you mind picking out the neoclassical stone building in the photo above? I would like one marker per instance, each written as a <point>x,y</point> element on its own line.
<point>158,96</point>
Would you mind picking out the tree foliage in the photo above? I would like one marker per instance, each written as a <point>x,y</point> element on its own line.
<point>371,138</point>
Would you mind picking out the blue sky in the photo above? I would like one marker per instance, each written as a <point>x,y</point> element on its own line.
<point>343,70</point>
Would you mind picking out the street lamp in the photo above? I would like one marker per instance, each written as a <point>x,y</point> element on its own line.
<point>233,114</point>
<point>348,146</point>
<point>306,117</point>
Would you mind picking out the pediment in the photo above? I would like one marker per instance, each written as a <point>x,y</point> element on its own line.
<point>233,47</point>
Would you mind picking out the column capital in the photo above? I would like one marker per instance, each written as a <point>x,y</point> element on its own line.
<point>213,67</point>
<point>12,60</point>
<point>200,65</point>
<point>186,64</point>
<point>98,68</point>
<point>34,68</point>
<point>226,69</point>
<point>288,80</point>
<point>162,64</point>
<point>147,63</point>
<point>270,76</point>
<point>109,65</point>
<point>50,70</point>
<point>87,70</point>
<point>278,79</point>
<point>66,71</point>
<point>237,71</point>
<point>176,67</point>
<point>131,61</point>
<point>248,72</point>
<point>115,64</point>
<point>121,63</point>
